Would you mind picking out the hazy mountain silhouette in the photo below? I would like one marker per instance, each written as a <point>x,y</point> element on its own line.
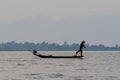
<point>81,21</point>
<point>100,27</point>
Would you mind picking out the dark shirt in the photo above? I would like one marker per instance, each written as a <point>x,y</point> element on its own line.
<point>82,45</point>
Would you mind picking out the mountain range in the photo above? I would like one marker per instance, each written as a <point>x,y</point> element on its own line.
<point>94,29</point>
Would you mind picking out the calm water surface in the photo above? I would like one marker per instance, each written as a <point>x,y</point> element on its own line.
<point>99,65</point>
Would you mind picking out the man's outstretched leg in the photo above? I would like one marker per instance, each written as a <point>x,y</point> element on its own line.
<point>77,52</point>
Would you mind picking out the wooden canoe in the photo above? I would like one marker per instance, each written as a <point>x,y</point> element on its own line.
<point>51,56</point>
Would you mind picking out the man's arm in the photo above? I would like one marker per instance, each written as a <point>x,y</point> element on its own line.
<point>84,46</point>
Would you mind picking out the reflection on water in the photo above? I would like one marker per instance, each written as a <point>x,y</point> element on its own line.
<point>94,66</point>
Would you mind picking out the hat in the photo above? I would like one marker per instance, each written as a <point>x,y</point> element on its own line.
<point>83,41</point>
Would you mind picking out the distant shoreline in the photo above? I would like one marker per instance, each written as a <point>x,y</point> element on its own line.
<point>44,46</point>
<point>66,51</point>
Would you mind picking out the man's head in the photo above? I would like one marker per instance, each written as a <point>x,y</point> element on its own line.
<point>83,41</point>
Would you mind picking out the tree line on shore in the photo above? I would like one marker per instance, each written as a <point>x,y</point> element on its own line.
<point>45,46</point>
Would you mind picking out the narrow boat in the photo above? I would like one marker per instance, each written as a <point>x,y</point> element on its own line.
<point>51,56</point>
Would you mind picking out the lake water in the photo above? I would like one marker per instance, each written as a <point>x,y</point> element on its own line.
<point>96,65</point>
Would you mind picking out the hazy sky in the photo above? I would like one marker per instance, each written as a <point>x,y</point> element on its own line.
<point>17,9</point>
<point>12,10</point>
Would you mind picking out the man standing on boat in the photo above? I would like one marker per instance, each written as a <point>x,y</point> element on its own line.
<point>82,45</point>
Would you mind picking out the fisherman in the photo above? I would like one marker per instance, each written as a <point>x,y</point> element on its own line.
<point>82,45</point>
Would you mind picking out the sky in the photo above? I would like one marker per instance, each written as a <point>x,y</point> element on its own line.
<point>16,10</point>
